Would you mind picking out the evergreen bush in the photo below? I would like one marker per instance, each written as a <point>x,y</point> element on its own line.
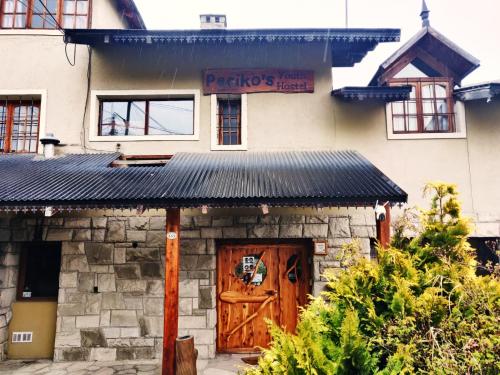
<point>420,308</point>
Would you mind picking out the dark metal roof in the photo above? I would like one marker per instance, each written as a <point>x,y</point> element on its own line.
<point>348,46</point>
<point>482,91</point>
<point>306,178</point>
<point>131,14</point>
<point>385,93</point>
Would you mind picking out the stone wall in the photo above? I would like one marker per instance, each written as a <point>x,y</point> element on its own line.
<point>111,280</point>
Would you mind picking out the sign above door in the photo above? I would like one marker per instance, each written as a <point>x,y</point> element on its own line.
<point>241,81</point>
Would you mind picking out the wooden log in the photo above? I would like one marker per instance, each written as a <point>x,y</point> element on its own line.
<point>171,303</point>
<point>384,228</point>
<point>233,297</point>
<point>185,356</point>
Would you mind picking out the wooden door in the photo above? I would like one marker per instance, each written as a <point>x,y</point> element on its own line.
<point>254,283</point>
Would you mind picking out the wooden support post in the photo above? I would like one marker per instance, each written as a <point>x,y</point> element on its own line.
<point>384,228</point>
<point>171,303</point>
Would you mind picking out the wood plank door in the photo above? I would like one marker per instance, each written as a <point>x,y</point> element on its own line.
<point>256,282</point>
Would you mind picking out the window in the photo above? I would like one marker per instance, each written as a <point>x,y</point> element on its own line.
<point>19,125</point>
<point>36,14</point>
<point>146,117</point>
<point>229,121</point>
<point>430,108</point>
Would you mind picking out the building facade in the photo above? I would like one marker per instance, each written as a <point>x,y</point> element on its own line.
<point>219,119</point>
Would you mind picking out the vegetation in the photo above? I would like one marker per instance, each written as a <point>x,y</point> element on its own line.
<point>420,309</point>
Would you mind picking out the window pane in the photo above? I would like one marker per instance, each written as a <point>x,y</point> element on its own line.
<point>430,123</point>
<point>397,108</point>
<point>51,6</point>
<point>440,91</point>
<point>20,21</point>
<point>411,108</point>
<point>20,7</point>
<point>69,6</point>
<point>229,111</point>
<point>68,22</point>
<point>412,124</point>
<point>171,117</point>
<point>82,7</point>
<point>81,22</point>
<point>9,6</point>
<point>398,124</point>
<point>444,125</point>
<point>24,128</point>
<point>36,21</point>
<point>427,91</point>
<point>442,106</point>
<point>413,94</point>
<point>7,21</point>
<point>123,118</point>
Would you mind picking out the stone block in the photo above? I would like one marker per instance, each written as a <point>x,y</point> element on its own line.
<point>143,254</point>
<point>110,332</point>
<point>315,230</point>
<point>99,253</point>
<point>191,233</point>
<point>193,246</point>
<point>211,318</point>
<point>156,238</point>
<point>151,270</point>
<point>153,306</point>
<point>68,279</point>
<point>199,275</point>
<point>68,323</point>
<point>247,219</point>
<point>202,221</point>
<point>99,222</point>
<point>74,263</point>
<point>207,297</point>
<point>127,271</point>
<point>73,248</point>
<point>188,322</point>
<point>159,223</point>
<point>131,332</point>
<point>154,326</point>
<point>86,282</point>
<point>189,262</point>
<point>318,287</point>
<point>338,242</point>
<point>138,223</point>
<point>339,227</point>
<point>100,268</point>
<point>291,231</point>
<point>87,321</point>
<point>92,338</point>
<point>133,303</point>
<point>188,288</point>
<point>222,221</point>
<point>93,303</point>
<point>131,285</point>
<point>211,248</point>
<point>206,262</point>
<point>74,354</point>
<point>98,235</point>
<point>26,234</point>
<point>211,232</point>
<point>155,287</point>
<point>293,219</point>
<point>124,318</point>
<point>103,355</point>
<point>55,234</point>
<point>363,232</point>
<point>104,318</point>
<point>185,306</point>
<point>7,296</point>
<point>268,219</point>
<point>263,231</point>
<point>119,255</point>
<point>129,340</point>
<point>113,301</point>
<point>203,336</point>
<point>234,232</point>
<point>135,353</point>
<point>357,219</point>
<point>82,235</point>
<point>136,236</point>
<point>77,223</point>
<point>115,231</point>
<point>10,259</point>
<point>317,219</point>
<point>68,339</point>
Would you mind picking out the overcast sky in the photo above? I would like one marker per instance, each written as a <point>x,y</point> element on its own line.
<point>472,24</point>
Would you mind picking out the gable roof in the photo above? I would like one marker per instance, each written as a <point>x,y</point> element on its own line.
<point>217,179</point>
<point>130,13</point>
<point>432,53</point>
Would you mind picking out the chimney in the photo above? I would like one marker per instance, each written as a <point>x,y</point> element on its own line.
<point>213,21</point>
<point>49,142</point>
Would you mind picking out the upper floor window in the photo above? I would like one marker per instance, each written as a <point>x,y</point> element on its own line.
<point>229,121</point>
<point>19,126</point>
<point>43,14</point>
<point>159,117</point>
<point>430,108</point>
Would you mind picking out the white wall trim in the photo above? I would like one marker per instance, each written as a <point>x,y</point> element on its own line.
<point>460,125</point>
<point>32,93</point>
<point>31,32</point>
<point>95,95</point>
<point>214,146</point>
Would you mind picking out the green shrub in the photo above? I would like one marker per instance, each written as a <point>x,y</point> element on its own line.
<point>419,309</point>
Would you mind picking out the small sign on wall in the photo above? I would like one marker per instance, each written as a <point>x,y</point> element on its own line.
<point>320,247</point>
<point>240,81</point>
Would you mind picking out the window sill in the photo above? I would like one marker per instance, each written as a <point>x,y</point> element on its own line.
<point>144,138</point>
<point>33,32</point>
<point>428,136</point>
<point>229,148</point>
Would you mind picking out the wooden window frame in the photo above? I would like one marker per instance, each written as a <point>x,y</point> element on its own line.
<point>30,12</point>
<point>9,124</point>
<point>223,130</point>
<point>146,114</point>
<point>419,83</point>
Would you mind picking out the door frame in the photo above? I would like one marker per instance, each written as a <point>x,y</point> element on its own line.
<point>308,246</point>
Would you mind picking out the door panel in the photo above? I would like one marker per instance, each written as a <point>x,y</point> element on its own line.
<point>253,285</point>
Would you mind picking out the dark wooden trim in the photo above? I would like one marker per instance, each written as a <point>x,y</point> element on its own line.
<point>171,302</point>
<point>384,228</point>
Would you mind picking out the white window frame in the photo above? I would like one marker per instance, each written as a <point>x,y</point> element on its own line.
<point>459,133</point>
<point>28,94</point>
<point>215,146</point>
<point>97,95</point>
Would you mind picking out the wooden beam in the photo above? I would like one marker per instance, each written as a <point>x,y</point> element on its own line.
<point>384,228</point>
<point>171,303</point>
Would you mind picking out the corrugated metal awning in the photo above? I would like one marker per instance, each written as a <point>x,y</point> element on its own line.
<point>218,179</point>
